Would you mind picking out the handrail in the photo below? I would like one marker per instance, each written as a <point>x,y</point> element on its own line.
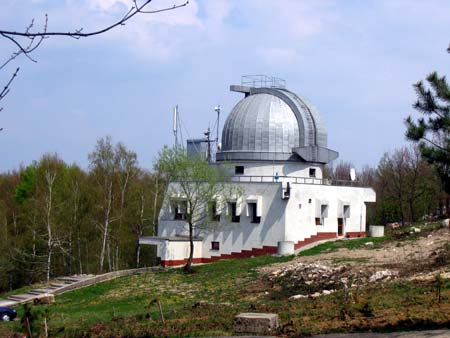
<point>291,179</point>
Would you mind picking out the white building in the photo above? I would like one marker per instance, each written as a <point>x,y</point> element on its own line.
<point>275,143</point>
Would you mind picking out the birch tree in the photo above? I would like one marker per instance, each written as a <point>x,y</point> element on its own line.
<point>102,165</point>
<point>199,183</point>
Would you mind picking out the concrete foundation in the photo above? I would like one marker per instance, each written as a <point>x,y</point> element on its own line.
<point>376,230</point>
<point>285,248</point>
<point>259,323</point>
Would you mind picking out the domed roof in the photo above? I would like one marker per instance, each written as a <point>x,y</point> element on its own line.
<point>273,124</point>
<point>261,122</point>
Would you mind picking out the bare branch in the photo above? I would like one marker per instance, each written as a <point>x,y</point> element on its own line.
<point>78,32</point>
<point>5,90</point>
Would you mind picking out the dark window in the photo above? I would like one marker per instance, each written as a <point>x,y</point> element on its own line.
<point>255,219</point>
<point>318,221</point>
<point>346,211</point>
<point>239,170</point>
<point>214,216</point>
<point>312,172</point>
<point>180,211</point>
<point>234,218</point>
<point>215,245</point>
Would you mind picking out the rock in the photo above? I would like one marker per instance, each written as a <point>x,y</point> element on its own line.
<point>45,298</point>
<point>259,323</point>
<point>446,222</point>
<point>382,275</point>
<point>415,230</point>
<point>298,297</point>
<point>316,294</point>
<point>327,292</point>
<point>368,244</point>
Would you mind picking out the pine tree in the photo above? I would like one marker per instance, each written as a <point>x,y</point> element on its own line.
<point>432,131</point>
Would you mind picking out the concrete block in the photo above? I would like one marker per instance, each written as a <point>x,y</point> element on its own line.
<point>286,248</point>
<point>376,230</point>
<point>259,323</point>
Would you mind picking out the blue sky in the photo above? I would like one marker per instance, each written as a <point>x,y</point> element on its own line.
<point>355,60</point>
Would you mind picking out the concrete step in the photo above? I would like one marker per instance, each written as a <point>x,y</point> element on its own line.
<point>57,285</point>
<point>7,303</point>
<point>40,291</point>
<point>21,297</point>
<point>69,280</point>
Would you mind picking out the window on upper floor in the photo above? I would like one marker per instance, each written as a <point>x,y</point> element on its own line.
<point>253,214</point>
<point>232,208</point>
<point>180,210</point>
<point>214,216</point>
<point>239,170</point>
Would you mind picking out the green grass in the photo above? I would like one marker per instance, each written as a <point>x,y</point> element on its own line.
<point>205,303</point>
<point>350,244</point>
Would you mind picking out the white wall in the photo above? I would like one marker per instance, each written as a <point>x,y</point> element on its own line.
<point>281,219</point>
<point>270,168</point>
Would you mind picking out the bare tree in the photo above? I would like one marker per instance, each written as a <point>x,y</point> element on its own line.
<point>27,41</point>
<point>103,169</point>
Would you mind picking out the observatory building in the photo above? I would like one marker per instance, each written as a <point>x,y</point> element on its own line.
<point>274,147</point>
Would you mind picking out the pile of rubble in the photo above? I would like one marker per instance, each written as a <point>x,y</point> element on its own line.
<point>312,280</point>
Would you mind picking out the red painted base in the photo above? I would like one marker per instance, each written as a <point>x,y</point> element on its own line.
<point>262,251</point>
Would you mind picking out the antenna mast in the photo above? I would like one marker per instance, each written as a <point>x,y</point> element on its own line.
<point>217,109</point>
<point>175,124</point>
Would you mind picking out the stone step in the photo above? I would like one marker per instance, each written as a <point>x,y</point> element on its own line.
<point>69,280</point>
<point>7,303</point>
<point>57,285</point>
<point>40,291</point>
<point>21,297</point>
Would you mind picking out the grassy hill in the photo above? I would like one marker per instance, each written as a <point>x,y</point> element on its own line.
<point>205,303</point>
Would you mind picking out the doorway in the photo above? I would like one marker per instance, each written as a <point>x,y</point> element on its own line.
<point>340,226</point>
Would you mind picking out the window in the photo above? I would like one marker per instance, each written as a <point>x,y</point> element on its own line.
<point>180,210</point>
<point>233,208</point>
<point>252,212</point>
<point>239,170</point>
<point>215,246</point>
<point>213,215</point>
<point>312,172</point>
<point>323,214</point>
<point>346,211</point>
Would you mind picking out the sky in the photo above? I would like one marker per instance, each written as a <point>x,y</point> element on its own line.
<point>356,61</point>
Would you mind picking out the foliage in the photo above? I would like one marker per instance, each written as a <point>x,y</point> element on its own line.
<point>61,233</point>
<point>432,132</point>
<point>197,184</point>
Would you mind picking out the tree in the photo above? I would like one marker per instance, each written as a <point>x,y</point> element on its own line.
<point>432,132</point>
<point>198,184</point>
<point>27,41</point>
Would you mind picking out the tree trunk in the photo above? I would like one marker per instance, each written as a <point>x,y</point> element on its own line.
<point>188,266</point>
<point>50,178</point>
<point>106,228</point>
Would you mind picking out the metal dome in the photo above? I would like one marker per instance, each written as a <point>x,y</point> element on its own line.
<point>274,124</point>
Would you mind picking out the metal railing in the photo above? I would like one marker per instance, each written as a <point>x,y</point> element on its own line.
<point>292,180</point>
<point>262,81</point>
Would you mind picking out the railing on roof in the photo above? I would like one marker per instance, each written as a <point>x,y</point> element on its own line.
<point>292,180</point>
<point>262,81</point>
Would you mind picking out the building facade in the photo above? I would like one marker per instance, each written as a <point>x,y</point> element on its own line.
<point>274,148</point>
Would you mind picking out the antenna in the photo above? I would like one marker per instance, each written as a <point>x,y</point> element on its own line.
<point>175,124</point>
<point>217,110</point>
